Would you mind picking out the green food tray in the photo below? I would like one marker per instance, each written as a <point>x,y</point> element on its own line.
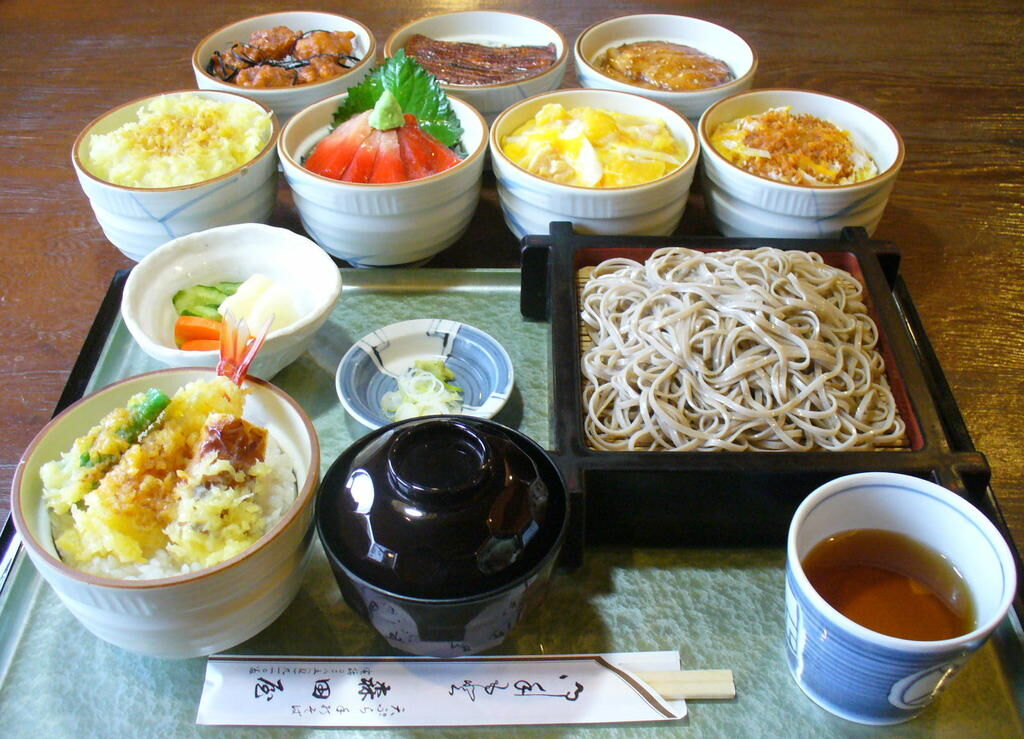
<point>720,608</point>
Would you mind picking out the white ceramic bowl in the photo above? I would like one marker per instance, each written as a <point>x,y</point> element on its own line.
<point>702,35</point>
<point>231,253</point>
<point>286,101</point>
<point>530,203</point>
<point>491,28</point>
<point>377,225</point>
<point>186,615</point>
<point>137,220</point>
<point>482,367</point>
<point>744,204</point>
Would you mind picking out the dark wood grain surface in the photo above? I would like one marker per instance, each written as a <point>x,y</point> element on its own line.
<point>948,76</point>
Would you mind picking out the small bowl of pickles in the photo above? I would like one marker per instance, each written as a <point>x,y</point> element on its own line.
<point>261,269</point>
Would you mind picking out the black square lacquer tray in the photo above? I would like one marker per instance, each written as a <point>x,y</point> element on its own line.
<point>735,498</point>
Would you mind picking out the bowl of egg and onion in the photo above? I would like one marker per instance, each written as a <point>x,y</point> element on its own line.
<point>609,162</point>
<point>796,164</point>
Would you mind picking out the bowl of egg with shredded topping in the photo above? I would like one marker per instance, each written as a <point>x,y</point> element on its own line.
<point>796,164</point>
<point>609,162</point>
<point>172,164</point>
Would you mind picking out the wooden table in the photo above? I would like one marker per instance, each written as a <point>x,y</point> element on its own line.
<point>948,78</point>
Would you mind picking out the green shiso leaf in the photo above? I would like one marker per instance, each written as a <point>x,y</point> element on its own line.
<point>417,91</point>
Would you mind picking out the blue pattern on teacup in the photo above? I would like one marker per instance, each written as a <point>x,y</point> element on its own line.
<point>918,690</point>
<point>854,678</point>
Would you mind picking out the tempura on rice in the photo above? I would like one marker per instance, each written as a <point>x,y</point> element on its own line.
<point>198,485</point>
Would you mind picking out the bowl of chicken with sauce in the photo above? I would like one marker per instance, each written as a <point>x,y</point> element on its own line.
<point>285,60</point>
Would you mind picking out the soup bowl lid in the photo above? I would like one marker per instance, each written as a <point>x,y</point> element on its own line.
<point>442,507</point>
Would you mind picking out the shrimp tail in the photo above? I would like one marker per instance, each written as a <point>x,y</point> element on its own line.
<point>237,348</point>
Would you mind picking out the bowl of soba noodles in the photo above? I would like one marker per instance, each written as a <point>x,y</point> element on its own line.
<point>738,350</point>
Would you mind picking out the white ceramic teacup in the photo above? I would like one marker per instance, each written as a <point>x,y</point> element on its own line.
<point>862,675</point>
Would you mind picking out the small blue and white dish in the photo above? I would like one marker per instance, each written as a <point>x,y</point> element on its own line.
<point>369,369</point>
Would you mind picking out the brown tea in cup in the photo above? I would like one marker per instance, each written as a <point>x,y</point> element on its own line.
<point>892,584</point>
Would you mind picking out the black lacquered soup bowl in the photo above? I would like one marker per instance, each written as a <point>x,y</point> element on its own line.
<point>442,532</point>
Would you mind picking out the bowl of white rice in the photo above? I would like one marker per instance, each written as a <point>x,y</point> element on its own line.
<point>200,564</point>
<point>171,164</point>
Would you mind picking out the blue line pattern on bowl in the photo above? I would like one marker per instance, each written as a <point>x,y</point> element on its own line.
<point>513,223</point>
<point>166,219</point>
<point>368,369</point>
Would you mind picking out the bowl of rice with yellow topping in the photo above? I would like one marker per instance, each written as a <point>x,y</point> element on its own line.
<point>793,163</point>
<point>167,165</point>
<point>171,511</point>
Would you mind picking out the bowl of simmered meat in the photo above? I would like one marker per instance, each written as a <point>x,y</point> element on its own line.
<point>488,58</point>
<point>285,60</point>
<point>684,63</point>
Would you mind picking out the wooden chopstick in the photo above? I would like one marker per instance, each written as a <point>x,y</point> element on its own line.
<point>690,684</point>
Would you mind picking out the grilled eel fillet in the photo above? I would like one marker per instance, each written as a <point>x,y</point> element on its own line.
<point>474,64</point>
